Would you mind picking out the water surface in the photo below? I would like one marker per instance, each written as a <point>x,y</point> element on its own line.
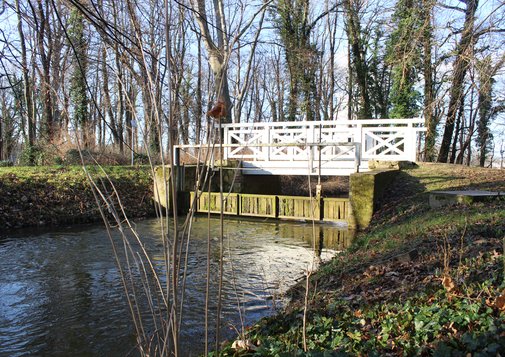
<point>61,295</point>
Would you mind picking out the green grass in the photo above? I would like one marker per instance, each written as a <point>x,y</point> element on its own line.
<point>23,172</point>
<point>419,281</point>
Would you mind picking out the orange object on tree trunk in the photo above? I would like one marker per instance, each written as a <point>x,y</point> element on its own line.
<point>218,111</point>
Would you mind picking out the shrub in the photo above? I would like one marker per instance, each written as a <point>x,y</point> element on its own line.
<point>140,159</point>
<point>72,157</point>
<point>32,156</point>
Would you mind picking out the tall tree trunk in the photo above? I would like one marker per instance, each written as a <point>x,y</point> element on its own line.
<point>459,127</point>
<point>350,84</point>
<point>429,117</point>
<point>359,65</point>
<point>108,103</point>
<point>486,70</point>
<point>2,116</point>
<point>460,68</point>
<point>218,53</point>
<point>332,27</point>
<point>466,145</point>
<point>42,31</point>
<point>28,113</point>
<point>198,100</point>
<point>279,86</point>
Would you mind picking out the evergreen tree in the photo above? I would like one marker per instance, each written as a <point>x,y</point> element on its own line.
<point>78,89</point>
<point>358,66</point>
<point>379,74</point>
<point>404,55</point>
<point>487,70</point>
<point>292,19</point>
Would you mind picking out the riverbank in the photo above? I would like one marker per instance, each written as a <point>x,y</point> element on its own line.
<point>418,281</point>
<point>52,196</point>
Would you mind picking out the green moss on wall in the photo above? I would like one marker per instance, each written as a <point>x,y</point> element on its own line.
<point>161,180</point>
<point>366,191</point>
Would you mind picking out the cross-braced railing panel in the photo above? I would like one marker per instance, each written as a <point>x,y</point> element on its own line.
<point>248,144</point>
<point>323,144</point>
<point>384,144</point>
<point>290,145</point>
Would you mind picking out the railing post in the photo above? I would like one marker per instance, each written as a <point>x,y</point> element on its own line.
<point>359,138</point>
<point>311,156</point>
<point>177,155</point>
<point>268,141</point>
<point>410,143</point>
<point>310,138</point>
<point>226,141</point>
<point>357,157</point>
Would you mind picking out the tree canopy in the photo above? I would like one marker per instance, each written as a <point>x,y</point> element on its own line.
<point>142,75</point>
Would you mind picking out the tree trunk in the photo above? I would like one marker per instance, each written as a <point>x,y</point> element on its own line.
<point>47,106</point>
<point>217,52</point>
<point>198,100</point>
<point>429,117</point>
<point>27,92</point>
<point>459,126</point>
<point>359,65</point>
<point>460,68</point>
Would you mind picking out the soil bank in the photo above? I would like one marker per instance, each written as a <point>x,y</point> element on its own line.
<point>51,196</point>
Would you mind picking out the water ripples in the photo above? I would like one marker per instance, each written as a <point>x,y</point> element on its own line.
<point>60,291</point>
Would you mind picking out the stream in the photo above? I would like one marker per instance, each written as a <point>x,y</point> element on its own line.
<point>61,293</point>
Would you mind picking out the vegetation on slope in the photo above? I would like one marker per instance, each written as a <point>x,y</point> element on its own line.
<point>420,281</point>
<point>40,196</point>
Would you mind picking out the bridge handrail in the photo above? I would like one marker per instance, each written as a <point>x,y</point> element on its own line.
<point>203,146</point>
<point>319,143</point>
<point>357,122</point>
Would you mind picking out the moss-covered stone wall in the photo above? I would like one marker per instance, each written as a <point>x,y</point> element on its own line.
<point>187,176</point>
<point>366,192</point>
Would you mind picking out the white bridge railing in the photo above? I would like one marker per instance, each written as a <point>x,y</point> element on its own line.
<point>319,147</point>
<point>323,144</point>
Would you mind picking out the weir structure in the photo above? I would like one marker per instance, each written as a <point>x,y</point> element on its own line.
<point>257,153</point>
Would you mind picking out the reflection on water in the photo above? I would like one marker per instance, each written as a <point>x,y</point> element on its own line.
<point>60,292</point>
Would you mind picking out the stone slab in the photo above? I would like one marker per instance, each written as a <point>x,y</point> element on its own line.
<point>444,198</point>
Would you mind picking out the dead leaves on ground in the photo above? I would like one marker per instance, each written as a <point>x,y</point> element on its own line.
<point>497,303</point>
<point>448,284</point>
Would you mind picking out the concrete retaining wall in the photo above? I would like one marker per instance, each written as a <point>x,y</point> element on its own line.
<point>365,193</point>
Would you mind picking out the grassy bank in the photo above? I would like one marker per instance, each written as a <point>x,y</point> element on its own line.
<point>419,281</point>
<point>45,196</point>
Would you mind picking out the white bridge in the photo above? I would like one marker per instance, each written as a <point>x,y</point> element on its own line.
<point>319,147</point>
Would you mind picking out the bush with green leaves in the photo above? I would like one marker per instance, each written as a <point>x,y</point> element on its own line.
<point>32,156</point>
<point>5,163</point>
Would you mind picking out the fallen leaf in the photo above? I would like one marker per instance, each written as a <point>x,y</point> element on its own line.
<point>495,255</point>
<point>448,283</point>
<point>489,302</point>
<point>499,303</point>
<point>243,345</point>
